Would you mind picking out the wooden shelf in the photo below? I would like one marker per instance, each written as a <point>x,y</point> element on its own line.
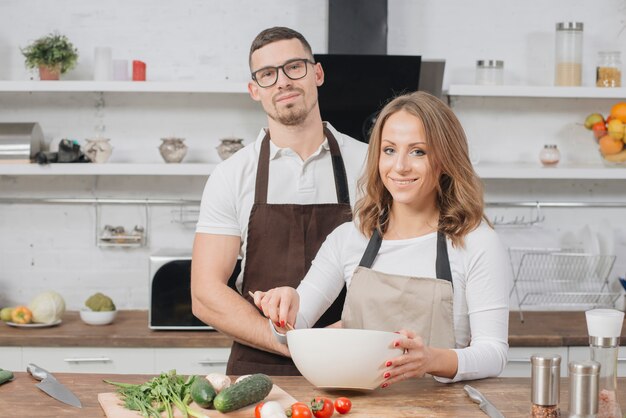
<point>537,91</point>
<point>107,169</point>
<point>225,87</point>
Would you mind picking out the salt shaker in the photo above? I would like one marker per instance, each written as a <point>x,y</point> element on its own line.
<point>583,388</point>
<point>549,155</point>
<point>545,384</point>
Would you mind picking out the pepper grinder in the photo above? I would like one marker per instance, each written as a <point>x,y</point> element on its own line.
<point>604,327</point>
<point>583,388</point>
<point>545,383</point>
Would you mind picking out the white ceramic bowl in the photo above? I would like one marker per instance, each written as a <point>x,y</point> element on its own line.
<point>97,318</point>
<point>342,358</point>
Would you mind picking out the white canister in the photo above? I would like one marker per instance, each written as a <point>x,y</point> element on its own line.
<point>489,72</point>
<point>103,64</point>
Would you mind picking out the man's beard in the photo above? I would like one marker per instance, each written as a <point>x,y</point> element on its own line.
<point>291,115</point>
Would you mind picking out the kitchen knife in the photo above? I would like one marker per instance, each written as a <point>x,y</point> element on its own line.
<point>52,386</point>
<point>486,406</point>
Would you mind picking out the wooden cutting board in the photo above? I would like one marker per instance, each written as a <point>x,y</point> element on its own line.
<point>113,407</point>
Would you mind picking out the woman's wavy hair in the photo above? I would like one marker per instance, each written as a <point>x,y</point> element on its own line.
<point>459,190</point>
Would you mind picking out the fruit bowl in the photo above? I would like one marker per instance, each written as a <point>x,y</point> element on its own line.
<point>342,358</point>
<point>97,318</point>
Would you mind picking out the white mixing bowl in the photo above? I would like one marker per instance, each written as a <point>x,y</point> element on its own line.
<point>97,318</point>
<point>342,358</point>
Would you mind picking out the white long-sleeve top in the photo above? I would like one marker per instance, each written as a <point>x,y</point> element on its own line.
<point>481,279</point>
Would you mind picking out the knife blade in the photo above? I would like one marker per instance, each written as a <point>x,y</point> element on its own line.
<point>483,403</point>
<point>50,385</point>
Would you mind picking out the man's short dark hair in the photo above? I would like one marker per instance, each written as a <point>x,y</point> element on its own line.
<point>277,33</point>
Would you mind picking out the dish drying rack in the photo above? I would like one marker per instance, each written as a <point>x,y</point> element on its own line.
<point>562,278</point>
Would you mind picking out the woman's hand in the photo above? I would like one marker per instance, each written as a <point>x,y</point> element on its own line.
<point>418,359</point>
<point>280,304</point>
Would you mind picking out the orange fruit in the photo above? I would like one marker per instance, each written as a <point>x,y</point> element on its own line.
<point>610,145</point>
<point>618,111</point>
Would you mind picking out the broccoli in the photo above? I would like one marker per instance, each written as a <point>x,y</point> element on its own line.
<point>100,302</point>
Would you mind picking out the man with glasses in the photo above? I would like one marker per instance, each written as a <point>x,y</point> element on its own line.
<point>273,202</point>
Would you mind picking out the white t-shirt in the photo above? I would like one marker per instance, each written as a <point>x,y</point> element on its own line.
<point>229,192</point>
<point>481,279</point>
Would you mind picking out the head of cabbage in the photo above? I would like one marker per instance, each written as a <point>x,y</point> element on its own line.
<point>47,307</point>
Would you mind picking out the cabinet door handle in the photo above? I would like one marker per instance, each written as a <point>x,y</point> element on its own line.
<point>519,360</point>
<point>87,360</point>
<point>209,362</point>
<point>621,359</point>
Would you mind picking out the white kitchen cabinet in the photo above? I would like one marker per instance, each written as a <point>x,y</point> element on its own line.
<point>90,359</point>
<point>584,353</point>
<point>518,364</point>
<point>191,360</point>
<point>11,359</point>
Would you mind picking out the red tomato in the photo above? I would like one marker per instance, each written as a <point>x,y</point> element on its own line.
<point>300,410</point>
<point>257,410</point>
<point>322,407</point>
<point>343,405</point>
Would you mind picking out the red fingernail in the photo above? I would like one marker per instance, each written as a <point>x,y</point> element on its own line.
<point>386,375</point>
<point>388,364</point>
<point>396,344</point>
<point>277,324</point>
<point>282,323</point>
<point>385,385</point>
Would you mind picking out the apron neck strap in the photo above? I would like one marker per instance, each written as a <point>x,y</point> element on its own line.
<point>339,170</point>
<point>442,263</point>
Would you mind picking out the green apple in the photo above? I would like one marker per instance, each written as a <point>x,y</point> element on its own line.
<point>5,314</point>
<point>593,119</point>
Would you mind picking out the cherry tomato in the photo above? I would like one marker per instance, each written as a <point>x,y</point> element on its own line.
<point>343,405</point>
<point>257,410</point>
<point>322,407</point>
<point>300,410</point>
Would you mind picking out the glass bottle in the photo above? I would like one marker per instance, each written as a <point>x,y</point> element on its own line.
<point>489,72</point>
<point>549,155</point>
<point>568,54</point>
<point>609,69</point>
<point>545,378</point>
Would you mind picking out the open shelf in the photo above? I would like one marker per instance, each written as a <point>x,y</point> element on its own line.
<point>226,87</point>
<point>107,169</point>
<point>562,171</point>
<point>537,91</point>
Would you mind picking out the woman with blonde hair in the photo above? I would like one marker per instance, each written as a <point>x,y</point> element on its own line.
<point>420,258</point>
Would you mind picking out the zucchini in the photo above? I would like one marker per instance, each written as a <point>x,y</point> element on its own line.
<point>250,390</point>
<point>5,376</point>
<point>202,392</point>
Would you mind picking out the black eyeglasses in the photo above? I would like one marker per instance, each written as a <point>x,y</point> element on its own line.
<point>294,69</point>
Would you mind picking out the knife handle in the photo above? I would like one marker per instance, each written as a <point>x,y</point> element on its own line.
<point>37,372</point>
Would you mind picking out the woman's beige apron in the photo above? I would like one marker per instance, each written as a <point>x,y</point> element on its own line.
<point>389,302</point>
<point>283,239</point>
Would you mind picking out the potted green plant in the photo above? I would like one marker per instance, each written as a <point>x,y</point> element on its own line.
<point>53,54</point>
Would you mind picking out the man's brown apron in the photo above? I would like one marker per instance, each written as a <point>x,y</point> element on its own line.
<point>283,239</point>
<point>389,302</point>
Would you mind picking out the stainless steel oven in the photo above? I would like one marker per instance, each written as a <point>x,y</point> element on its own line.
<point>170,291</point>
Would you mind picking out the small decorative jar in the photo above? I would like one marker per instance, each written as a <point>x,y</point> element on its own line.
<point>549,155</point>
<point>172,149</point>
<point>98,150</point>
<point>228,147</point>
<point>609,69</point>
<point>489,72</point>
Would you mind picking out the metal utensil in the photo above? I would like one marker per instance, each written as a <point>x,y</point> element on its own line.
<point>484,404</point>
<point>52,387</point>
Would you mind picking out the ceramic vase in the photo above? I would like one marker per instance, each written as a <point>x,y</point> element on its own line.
<point>228,147</point>
<point>98,150</point>
<point>173,150</point>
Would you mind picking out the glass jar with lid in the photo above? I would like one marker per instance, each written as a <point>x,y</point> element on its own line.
<point>489,72</point>
<point>568,54</point>
<point>609,69</point>
<point>549,155</point>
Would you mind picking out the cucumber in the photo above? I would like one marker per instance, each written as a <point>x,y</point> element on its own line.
<point>250,390</point>
<point>202,392</point>
<point>5,376</point>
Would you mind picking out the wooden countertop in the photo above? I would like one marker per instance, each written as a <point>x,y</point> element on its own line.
<point>414,398</point>
<point>130,329</point>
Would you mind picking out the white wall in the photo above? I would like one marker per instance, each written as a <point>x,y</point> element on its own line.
<point>43,246</point>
